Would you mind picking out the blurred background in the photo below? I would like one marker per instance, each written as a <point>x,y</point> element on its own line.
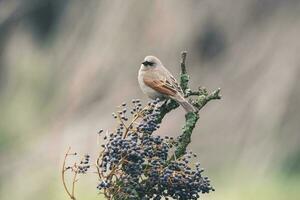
<point>66,65</point>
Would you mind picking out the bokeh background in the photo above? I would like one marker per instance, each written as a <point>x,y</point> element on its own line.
<point>66,65</point>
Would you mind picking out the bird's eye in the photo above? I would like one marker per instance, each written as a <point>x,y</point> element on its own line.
<point>148,63</point>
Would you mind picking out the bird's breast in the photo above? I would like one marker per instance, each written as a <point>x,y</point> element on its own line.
<point>151,93</point>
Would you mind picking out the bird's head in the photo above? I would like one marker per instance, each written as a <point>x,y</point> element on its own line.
<point>151,62</point>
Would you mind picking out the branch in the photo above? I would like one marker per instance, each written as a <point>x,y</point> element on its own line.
<point>167,107</point>
<point>202,98</point>
<point>190,121</point>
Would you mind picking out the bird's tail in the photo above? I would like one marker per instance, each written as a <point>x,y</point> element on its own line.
<point>188,107</point>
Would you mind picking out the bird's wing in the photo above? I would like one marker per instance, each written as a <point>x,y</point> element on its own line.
<point>160,84</point>
<point>175,84</point>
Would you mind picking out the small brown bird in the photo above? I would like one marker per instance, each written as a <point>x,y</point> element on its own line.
<point>157,82</point>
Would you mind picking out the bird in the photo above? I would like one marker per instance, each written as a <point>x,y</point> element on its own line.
<point>158,83</point>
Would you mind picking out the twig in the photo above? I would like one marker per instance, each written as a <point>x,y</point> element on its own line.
<point>64,169</point>
<point>130,125</point>
<point>98,165</point>
<point>184,77</point>
<point>73,184</point>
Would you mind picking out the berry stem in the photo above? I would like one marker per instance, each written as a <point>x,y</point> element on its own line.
<point>64,169</point>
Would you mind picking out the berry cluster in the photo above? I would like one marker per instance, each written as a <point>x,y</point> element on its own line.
<point>84,164</point>
<point>80,168</point>
<point>135,164</point>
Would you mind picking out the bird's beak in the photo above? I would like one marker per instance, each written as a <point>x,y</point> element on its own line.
<point>144,63</point>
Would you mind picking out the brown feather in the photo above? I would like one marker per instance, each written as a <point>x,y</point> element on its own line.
<point>160,86</point>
